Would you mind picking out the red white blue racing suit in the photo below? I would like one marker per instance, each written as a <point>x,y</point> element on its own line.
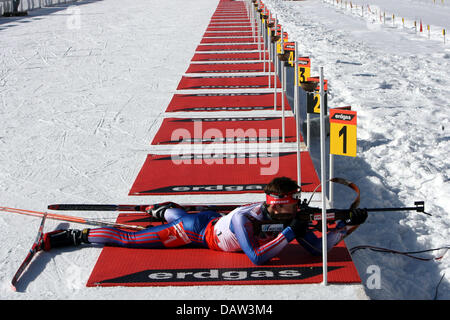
<point>240,230</point>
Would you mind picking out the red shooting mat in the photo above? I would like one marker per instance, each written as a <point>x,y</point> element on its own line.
<point>227,47</point>
<point>227,82</point>
<point>228,34</point>
<point>227,16</point>
<point>227,19</point>
<point>221,130</point>
<point>229,56</point>
<point>224,102</point>
<point>230,9</point>
<point>229,67</point>
<point>231,40</point>
<point>231,19</point>
<point>217,172</point>
<point>241,12</point>
<point>242,29</point>
<point>231,25</point>
<point>192,267</point>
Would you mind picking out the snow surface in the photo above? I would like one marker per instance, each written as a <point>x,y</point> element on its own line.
<point>83,89</point>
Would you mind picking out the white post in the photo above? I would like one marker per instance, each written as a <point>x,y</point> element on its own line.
<point>297,117</point>
<point>258,29</point>
<point>282,89</point>
<point>269,46</point>
<point>283,84</point>
<point>275,62</point>
<point>331,196</point>
<point>323,179</point>
<point>281,71</point>
<point>266,44</point>
<point>308,130</point>
<point>252,20</point>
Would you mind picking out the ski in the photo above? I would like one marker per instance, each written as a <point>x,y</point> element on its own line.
<point>69,218</point>
<point>30,255</point>
<point>332,214</point>
<point>97,207</point>
<point>305,215</point>
<point>140,207</point>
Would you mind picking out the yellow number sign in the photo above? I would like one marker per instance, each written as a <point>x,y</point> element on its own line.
<point>304,69</point>
<point>289,47</point>
<point>313,98</point>
<point>313,102</point>
<point>285,39</point>
<point>343,132</point>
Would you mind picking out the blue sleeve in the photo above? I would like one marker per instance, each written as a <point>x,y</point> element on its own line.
<point>313,244</point>
<point>243,230</point>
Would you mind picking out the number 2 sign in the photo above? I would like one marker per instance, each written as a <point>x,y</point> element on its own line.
<point>343,132</point>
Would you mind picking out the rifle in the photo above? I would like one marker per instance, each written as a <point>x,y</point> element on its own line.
<point>311,214</point>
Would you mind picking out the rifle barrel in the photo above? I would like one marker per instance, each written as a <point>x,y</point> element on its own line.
<point>394,209</point>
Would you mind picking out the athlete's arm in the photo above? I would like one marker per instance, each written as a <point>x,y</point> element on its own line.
<point>243,230</point>
<point>313,244</point>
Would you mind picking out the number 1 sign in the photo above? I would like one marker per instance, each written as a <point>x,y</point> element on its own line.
<point>343,132</point>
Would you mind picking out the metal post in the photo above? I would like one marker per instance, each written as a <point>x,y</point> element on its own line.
<point>258,22</point>
<point>275,62</point>
<point>281,71</point>
<point>331,191</point>
<point>283,84</point>
<point>323,179</point>
<point>269,46</point>
<point>297,117</point>
<point>251,19</point>
<point>283,118</point>
<point>308,130</point>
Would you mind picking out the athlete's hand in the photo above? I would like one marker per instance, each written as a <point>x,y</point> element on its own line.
<point>356,217</point>
<point>299,227</point>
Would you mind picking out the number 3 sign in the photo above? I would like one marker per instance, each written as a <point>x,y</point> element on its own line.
<point>343,132</point>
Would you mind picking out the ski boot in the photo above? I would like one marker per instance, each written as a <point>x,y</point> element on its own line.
<point>157,211</point>
<point>64,238</point>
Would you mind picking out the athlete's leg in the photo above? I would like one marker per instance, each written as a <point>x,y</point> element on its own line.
<point>163,236</point>
<point>195,224</point>
<point>187,229</point>
<point>173,214</point>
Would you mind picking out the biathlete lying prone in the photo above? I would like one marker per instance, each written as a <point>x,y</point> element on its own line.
<point>239,230</point>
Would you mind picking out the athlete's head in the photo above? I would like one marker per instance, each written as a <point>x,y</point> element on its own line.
<point>282,195</point>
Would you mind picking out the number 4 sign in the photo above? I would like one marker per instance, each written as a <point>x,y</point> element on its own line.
<point>343,132</point>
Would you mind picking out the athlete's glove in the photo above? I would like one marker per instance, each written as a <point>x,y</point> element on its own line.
<point>158,210</point>
<point>356,216</point>
<point>299,227</point>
